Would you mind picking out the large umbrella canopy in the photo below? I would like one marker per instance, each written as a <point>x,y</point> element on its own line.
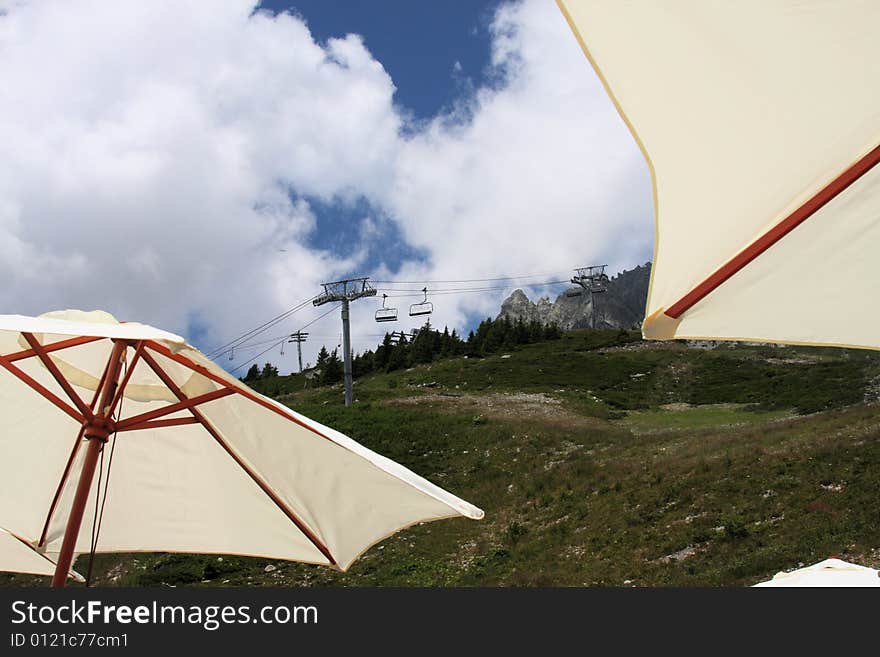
<point>832,572</point>
<point>195,461</point>
<point>760,122</point>
<point>19,556</point>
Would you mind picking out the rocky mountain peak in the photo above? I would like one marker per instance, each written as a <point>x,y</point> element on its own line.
<point>621,306</point>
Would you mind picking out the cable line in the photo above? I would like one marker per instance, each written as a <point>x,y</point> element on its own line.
<point>463,290</point>
<point>271,347</point>
<point>476,280</point>
<point>259,329</point>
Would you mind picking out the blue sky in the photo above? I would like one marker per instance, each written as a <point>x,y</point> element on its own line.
<point>204,166</point>
<point>418,43</point>
<point>436,53</point>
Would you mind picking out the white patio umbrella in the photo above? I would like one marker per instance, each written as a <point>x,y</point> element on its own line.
<point>195,461</point>
<point>19,556</point>
<point>832,572</point>
<point>760,123</point>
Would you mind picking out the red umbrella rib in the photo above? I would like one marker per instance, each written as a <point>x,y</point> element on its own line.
<point>256,478</point>
<point>43,391</point>
<point>57,375</point>
<point>780,230</point>
<point>54,346</point>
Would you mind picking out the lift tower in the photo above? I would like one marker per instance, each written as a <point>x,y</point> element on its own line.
<point>345,291</point>
<point>299,337</point>
<point>593,280</point>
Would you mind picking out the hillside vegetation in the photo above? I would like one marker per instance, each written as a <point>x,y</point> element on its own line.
<point>599,459</point>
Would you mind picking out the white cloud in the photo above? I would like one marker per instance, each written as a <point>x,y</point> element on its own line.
<point>148,150</point>
<point>542,175</point>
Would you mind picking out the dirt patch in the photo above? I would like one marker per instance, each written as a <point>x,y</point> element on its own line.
<point>645,345</point>
<point>502,401</point>
<point>506,406</point>
<point>800,360</point>
<point>677,406</point>
<point>683,406</point>
<point>681,555</point>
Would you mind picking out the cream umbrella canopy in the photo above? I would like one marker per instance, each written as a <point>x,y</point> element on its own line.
<point>200,462</point>
<point>832,572</point>
<point>19,556</point>
<point>760,122</point>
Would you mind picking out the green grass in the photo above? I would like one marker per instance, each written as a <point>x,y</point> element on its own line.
<point>599,459</point>
<point>731,416</point>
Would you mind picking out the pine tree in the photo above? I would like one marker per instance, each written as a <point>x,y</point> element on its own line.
<point>383,353</point>
<point>496,336</point>
<point>473,344</point>
<point>536,331</point>
<point>362,364</point>
<point>321,364</point>
<point>521,332</point>
<point>399,357</point>
<point>253,373</point>
<point>332,371</point>
<point>456,344</point>
<point>445,349</point>
<point>424,345</point>
<point>552,332</point>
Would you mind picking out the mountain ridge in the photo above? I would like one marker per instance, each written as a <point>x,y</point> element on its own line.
<point>621,306</point>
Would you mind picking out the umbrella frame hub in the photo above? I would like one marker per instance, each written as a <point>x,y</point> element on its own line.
<point>99,429</point>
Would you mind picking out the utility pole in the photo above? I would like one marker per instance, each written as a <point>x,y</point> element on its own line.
<point>593,280</point>
<point>345,291</point>
<point>299,337</point>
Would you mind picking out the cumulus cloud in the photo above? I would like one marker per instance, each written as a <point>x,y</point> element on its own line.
<point>151,148</point>
<point>540,175</point>
<point>161,161</point>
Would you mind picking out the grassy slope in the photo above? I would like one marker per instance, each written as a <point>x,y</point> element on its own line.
<point>601,460</point>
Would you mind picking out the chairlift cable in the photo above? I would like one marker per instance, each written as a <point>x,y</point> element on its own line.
<point>254,345</point>
<point>474,280</point>
<point>418,293</point>
<point>471,289</point>
<point>275,344</point>
<point>259,329</point>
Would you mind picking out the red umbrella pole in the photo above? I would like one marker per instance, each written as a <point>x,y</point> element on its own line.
<point>97,431</point>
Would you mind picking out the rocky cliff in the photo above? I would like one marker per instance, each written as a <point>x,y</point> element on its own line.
<point>622,306</point>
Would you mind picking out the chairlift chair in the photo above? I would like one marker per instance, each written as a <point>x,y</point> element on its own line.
<point>574,292</point>
<point>423,308</point>
<point>386,314</point>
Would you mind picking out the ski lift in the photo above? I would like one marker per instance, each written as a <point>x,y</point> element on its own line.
<point>386,314</point>
<point>574,292</point>
<point>232,354</point>
<point>423,308</point>
<point>598,284</point>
